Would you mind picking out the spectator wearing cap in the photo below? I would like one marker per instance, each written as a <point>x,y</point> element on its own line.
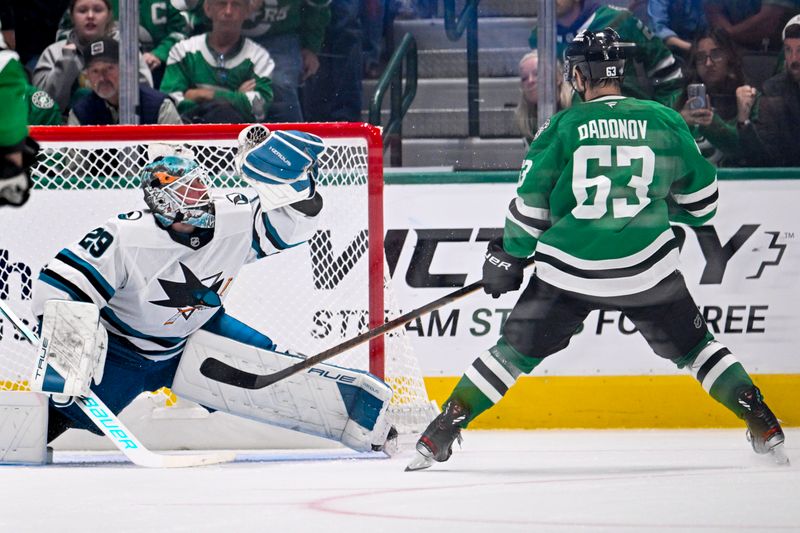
<point>777,123</point>
<point>161,24</point>
<point>59,67</point>
<point>101,106</point>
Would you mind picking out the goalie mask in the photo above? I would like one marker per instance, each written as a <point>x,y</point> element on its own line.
<point>176,190</point>
<point>597,56</point>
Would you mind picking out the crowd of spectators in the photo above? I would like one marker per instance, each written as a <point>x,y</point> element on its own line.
<point>304,60</point>
<point>744,53</point>
<point>200,60</point>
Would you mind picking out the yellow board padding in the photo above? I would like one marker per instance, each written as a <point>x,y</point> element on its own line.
<point>169,397</point>
<point>620,402</point>
<point>14,386</point>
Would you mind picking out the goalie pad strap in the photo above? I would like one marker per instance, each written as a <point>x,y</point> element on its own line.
<point>341,404</point>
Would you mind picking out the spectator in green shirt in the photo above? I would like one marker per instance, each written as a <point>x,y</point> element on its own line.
<point>660,79</point>
<point>292,31</point>
<point>220,76</point>
<point>42,109</point>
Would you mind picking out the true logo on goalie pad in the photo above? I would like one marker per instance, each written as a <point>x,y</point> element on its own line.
<point>38,375</point>
<point>325,374</point>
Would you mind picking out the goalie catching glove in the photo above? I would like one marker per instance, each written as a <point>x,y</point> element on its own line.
<point>72,349</point>
<point>502,272</point>
<point>282,168</point>
<point>15,180</point>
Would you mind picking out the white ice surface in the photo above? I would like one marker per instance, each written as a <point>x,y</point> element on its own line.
<point>692,480</point>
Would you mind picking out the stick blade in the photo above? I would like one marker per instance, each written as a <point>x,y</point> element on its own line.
<point>218,371</point>
<point>157,460</point>
<point>224,373</point>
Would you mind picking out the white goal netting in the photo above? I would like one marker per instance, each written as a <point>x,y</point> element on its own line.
<point>308,298</point>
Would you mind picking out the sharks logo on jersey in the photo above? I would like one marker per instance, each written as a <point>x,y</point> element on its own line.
<point>191,294</point>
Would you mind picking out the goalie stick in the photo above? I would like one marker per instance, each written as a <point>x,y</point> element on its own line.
<point>102,417</point>
<point>224,373</point>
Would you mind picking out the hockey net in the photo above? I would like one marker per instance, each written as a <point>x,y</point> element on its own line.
<point>307,299</point>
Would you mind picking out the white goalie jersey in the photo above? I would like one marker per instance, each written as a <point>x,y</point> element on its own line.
<point>152,291</point>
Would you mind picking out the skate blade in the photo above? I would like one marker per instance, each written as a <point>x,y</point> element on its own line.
<point>779,455</point>
<point>419,462</point>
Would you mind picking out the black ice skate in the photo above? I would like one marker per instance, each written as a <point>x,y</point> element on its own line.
<point>436,442</point>
<point>763,429</point>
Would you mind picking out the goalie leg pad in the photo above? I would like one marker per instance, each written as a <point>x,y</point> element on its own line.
<point>23,419</point>
<point>342,404</point>
<point>72,349</point>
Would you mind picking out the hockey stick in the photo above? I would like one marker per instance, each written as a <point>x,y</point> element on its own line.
<point>224,373</point>
<point>102,417</point>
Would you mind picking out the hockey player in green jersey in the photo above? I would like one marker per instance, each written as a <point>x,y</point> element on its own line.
<point>597,192</point>
<point>660,78</point>
<point>17,150</point>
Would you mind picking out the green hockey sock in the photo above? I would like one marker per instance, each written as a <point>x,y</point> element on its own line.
<point>489,377</point>
<point>721,375</point>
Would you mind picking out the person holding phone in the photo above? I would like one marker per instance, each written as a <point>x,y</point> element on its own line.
<point>717,98</point>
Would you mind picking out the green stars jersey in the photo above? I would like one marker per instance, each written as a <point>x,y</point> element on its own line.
<point>660,77</point>
<point>193,64</point>
<point>42,109</point>
<point>161,25</point>
<point>307,18</point>
<point>14,111</point>
<point>597,191</point>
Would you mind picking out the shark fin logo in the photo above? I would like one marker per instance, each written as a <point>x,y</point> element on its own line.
<point>192,294</point>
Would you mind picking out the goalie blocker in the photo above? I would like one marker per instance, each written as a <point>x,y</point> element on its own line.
<point>341,404</point>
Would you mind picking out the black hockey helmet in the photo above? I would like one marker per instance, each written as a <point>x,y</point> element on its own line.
<point>597,55</point>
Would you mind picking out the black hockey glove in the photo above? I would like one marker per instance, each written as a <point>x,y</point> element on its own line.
<point>15,181</point>
<point>501,272</point>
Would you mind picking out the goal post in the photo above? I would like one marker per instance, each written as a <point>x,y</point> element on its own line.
<point>308,299</point>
